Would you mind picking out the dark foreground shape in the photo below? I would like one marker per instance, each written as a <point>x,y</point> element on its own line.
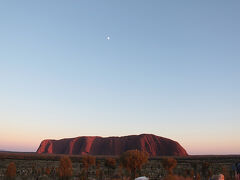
<point>94,145</point>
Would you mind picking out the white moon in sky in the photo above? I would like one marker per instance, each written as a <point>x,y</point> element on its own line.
<point>108,38</point>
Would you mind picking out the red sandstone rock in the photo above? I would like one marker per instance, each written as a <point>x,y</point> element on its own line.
<point>94,145</point>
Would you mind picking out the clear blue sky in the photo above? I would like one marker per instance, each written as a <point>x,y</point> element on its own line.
<point>170,68</point>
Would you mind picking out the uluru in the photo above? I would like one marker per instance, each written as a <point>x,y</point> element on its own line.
<point>96,145</point>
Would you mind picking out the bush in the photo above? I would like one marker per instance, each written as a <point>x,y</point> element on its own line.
<point>133,160</point>
<point>11,171</point>
<point>206,172</point>
<point>188,173</point>
<point>88,161</point>
<point>169,164</point>
<point>47,171</point>
<point>110,163</point>
<point>65,168</point>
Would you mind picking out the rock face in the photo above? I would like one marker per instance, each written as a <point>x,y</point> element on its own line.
<point>95,145</point>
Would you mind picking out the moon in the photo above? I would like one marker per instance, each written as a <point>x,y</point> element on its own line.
<point>108,38</point>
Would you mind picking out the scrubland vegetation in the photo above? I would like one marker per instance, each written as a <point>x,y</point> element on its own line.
<point>129,165</point>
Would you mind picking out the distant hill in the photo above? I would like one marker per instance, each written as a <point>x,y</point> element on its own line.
<point>95,145</point>
<point>7,151</point>
<point>3,150</point>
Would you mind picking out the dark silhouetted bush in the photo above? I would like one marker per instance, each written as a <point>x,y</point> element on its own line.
<point>206,172</point>
<point>110,164</point>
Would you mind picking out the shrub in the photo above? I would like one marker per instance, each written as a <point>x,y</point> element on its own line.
<point>65,168</point>
<point>206,172</point>
<point>47,171</point>
<point>88,161</point>
<point>188,173</point>
<point>110,163</point>
<point>11,171</point>
<point>169,164</point>
<point>133,160</point>
<point>194,165</point>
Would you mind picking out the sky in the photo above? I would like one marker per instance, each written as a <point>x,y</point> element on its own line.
<point>169,68</point>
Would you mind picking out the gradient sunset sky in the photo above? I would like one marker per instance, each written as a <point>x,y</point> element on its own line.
<point>170,68</point>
